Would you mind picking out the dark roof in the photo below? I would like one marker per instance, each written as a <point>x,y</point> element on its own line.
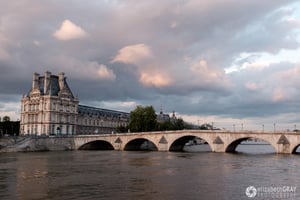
<point>100,111</point>
<point>53,88</point>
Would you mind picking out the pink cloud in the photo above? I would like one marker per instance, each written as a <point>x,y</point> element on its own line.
<point>278,95</point>
<point>252,86</point>
<point>69,31</point>
<point>133,54</point>
<point>154,79</point>
<point>104,73</point>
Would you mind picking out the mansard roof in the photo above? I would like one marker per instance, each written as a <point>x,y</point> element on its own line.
<point>52,87</point>
<point>88,110</point>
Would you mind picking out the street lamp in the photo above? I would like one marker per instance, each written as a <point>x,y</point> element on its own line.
<point>274,127</point>
<point>263,128</point>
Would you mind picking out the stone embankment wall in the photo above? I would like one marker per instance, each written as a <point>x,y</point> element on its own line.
<point>34,143</point>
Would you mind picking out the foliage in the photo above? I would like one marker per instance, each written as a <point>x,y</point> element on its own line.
<point>177,124</point>
<point>8,127</point>
<point>122,129</point>
<point>142,119</point>
<point>6,119</point>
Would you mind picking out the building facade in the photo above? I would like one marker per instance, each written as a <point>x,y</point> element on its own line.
<point>97,120</point>
<point>50,108</point>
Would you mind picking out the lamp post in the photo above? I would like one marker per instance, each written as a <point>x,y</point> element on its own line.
<point>263,128</point>
<point>274,127</point>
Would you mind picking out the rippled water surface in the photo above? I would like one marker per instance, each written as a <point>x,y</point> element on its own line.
<point>143,175</point>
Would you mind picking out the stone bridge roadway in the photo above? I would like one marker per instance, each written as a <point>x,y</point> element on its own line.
<point>219,141</point>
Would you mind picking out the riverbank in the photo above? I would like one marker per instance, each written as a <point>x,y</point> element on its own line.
<point>35,143</point>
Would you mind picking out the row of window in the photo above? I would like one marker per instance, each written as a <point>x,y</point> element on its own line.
<point>63,118</point>
<point>55,129</point>
<point>81,130</point>
<point>62,130</point>
<point>31,118</point>
<point>69,129</point>
<point>45,106</point>
<point>63,107</point>
<point>98,112</point>
<point>43,117</point>
<point>101,123</point>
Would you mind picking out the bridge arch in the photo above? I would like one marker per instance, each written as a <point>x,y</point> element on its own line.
<point>231,147</point>
<point>294,150</point>
<point>97,145</point>
<point>140,144</point>
<point>179,143</point>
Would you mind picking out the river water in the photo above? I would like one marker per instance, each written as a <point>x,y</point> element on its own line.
<point>149,175</point>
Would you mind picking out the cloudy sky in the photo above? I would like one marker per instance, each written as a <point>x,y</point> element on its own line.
<point>222,61</point>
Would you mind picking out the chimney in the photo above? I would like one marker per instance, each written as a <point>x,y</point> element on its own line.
<point>35,81</point>
<point>46,81</point>
<point>61,80</point>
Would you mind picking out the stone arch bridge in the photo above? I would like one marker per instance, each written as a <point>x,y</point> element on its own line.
<point>219,141</point>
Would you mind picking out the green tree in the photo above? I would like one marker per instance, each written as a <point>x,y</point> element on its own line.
<point>142,119</point>
<point>164,126</point>
<point>8,127</point>
<point>180,124</point>
<point>6,119</point>
<point>122,129</point>
<point>177,124</point>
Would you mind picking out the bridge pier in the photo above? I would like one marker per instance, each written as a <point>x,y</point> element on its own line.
<point>163,147</point>
<point>218,148</point>
<point>118,146</point>
<point>283,148</point>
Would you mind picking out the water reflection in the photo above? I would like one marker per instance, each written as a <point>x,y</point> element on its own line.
<point>255,148</point>
<point>197,148</point>
<point>32,176</point>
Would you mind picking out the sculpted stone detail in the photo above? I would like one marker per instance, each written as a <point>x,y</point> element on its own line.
<point>218,140</point>
<point>283,140</point>
<point>163,140</point>
<point>118,140</point>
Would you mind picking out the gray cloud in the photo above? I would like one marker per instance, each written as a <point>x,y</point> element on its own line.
<point>190,44</point>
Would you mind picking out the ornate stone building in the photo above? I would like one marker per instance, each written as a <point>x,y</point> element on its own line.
<point>50,108</point>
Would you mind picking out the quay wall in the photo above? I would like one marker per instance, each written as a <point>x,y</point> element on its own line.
<point>31,144</point>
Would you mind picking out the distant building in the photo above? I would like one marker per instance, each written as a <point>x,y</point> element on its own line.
<point>163,117</point>
<point>50,108</point>
<point>98,120</point>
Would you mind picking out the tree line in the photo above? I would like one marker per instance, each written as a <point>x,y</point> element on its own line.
<point>8,127</point>
<point>143,119</point>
